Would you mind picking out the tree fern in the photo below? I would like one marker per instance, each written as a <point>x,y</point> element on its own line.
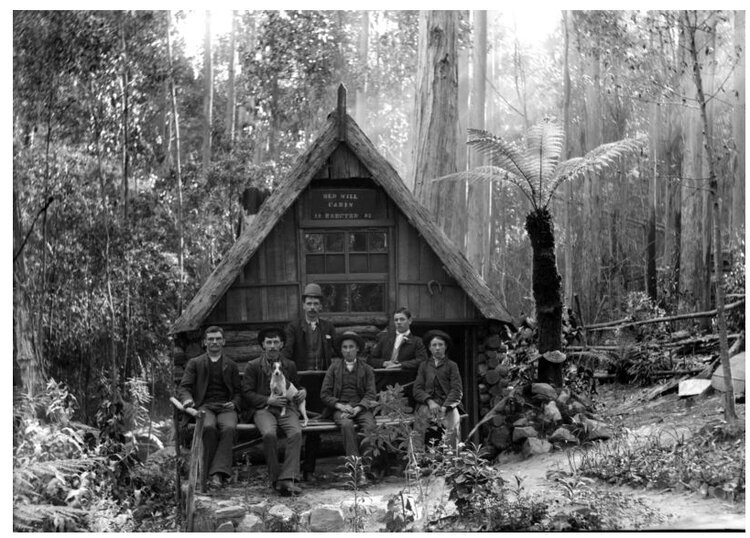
<point>34,517</point>
<point>537,170</point>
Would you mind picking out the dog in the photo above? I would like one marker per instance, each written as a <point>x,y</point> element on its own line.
<point>281,387</point>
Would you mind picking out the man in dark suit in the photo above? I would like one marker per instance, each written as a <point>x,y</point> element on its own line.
<point>309,343</point>
<point>271,412</point>
<point>211,383</point>
<point>398,348</point>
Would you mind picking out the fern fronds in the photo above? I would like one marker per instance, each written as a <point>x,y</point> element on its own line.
<point>30,517</point>
<point>544,143</point>
<point>600,157</point>
<point>505,155</point>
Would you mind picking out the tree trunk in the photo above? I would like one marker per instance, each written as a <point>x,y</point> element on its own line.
<point>28,370</point>
<point>730,415</point>
<point>655,139</point>
<point>208,94</point>
<point>567,223</point>
<point>692,265</point>
<point>479,193</point>
<point>125,113</point>
<point>229,122</point>
<point>738,129</point>
<point>360,96</point>
<point>435,113</point>
<point>178,171</point>
<point>546,283</point>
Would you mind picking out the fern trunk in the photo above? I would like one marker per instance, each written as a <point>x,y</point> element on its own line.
<point>546,283</point>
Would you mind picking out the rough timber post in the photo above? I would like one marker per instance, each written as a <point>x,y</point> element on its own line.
<point>197,470</point>
<point>341,112</point>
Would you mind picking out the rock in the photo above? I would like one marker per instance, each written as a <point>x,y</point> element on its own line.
<point>551,412</point>
<point>524,432</point>
<point>563,435</point>
<point>597,430</point>
<point>534,446</point>
<point>521,422</point>
<point>260,508</point>
<point>498,420</point>
<point>737,365</point>
<point>230,512</point>
<point>325,519</point>
<point>693,387</point>
<point>564,396</point>
<point>227,526</point>
<point>544,389</point>
<point>576,408</point>
<point>493,342</point>
<point>281,518</point>
<point>250,523</point>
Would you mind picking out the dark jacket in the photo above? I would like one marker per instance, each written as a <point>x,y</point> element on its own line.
<point>295,347</point>
<point>330,391</point>
<point>411,352</point>
<point>194,381</point>
<point>256,382</point>
<point>446,376</point>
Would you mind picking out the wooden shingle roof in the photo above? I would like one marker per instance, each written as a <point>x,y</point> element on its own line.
<point>340,128</point>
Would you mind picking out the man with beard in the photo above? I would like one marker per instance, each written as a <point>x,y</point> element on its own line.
<point>309,343</point>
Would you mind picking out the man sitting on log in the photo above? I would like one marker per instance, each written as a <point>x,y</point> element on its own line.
<point>270,412</point>
<point>211,383</point>
<point>348,392</point>
<point>398,348</point>
<point>438,388</point>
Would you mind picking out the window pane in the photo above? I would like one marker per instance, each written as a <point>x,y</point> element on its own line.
<point>313,242</point>
<point>315,264</point>
<point>378,242</point>
<point>335,263</point>
<point>358,263</point>
<point>378,263</point>
<point>358,242</point>
<point>367,297</point>
<point>335,242</point>
<point>334,298</point>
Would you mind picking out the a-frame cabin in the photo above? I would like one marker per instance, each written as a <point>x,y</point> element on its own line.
<point>344,219</point>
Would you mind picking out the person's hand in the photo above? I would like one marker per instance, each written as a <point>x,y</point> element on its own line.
<point>389,364</point>
<point>277,401</point>
<point>434,408</point>
<point>188,403</point>
<point>345,409</point>
<point>229,406</point>
<point>356,410</point>
<point>300,396</point>
<point>443,409</point>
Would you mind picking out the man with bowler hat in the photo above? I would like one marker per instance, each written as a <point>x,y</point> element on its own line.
<point>309,343</point>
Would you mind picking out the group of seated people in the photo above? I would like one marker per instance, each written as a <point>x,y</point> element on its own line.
<point>211,382</point>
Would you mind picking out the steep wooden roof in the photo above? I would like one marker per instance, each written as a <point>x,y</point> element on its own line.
<point>340,128</point>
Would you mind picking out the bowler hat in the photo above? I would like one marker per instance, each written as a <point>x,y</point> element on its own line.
<point>263,333</point>
<point>435,333</point>
<point>312,290</point>
<point>350,335</point>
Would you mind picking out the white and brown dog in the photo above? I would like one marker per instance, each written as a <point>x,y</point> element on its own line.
<point>281,387</point>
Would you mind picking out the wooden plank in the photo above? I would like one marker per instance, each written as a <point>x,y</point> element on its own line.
<point>197,470</point>
<point>253,304</point>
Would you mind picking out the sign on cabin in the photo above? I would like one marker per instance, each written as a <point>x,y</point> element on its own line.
<point>349,204</point>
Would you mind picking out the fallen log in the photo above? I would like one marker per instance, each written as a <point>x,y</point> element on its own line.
<point>626,323</point>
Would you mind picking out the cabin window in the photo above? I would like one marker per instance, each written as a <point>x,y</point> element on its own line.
<point>357,259</point>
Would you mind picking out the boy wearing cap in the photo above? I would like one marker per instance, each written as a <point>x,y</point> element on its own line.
<point>267,410</point>
<point>438,388</point>
<point>309,343</point>
<point>349,392</point>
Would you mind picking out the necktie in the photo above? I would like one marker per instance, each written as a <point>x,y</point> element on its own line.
<point>396,345</point>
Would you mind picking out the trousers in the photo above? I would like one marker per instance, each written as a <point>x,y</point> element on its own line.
<point>364,421</point>
<point>219,428</point>
<point>269,421</point>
